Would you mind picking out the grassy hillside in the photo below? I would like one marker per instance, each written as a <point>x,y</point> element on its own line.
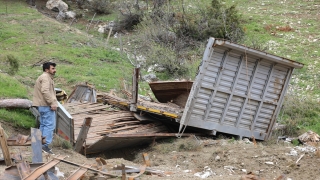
<point>287,28</point>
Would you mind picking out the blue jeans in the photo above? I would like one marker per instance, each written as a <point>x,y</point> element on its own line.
<point>47,123</point>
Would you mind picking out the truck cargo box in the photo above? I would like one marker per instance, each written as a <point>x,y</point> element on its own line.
<point>238,90</point>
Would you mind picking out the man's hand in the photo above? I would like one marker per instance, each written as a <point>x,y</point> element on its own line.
<point>53,108</point>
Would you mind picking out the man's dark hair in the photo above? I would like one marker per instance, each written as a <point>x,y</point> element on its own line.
<point>47,65</point>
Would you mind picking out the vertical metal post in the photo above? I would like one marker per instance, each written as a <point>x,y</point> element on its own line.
<point>135,79</point>
<point>36,144</point>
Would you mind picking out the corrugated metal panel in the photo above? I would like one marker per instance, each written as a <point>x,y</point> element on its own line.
<point>238,90</point>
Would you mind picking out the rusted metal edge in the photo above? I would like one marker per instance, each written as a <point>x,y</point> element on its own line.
<point>271,57</point>
<point>142,108</point>
<point>44,168</point>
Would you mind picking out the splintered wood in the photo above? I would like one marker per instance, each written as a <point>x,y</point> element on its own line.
<point>109,121</point>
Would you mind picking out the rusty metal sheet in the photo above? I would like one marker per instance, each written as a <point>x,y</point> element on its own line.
<point>83,93</point>
<point>170,91</point>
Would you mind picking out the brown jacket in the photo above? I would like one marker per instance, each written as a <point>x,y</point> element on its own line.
<point>44,93</point>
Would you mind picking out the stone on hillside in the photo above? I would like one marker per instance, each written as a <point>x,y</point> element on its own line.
<point>150,77</point>
<point>70,14</point>
<point>62,6</point>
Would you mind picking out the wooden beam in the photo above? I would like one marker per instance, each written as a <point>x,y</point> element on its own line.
<point>4,147</point>
<point>83,134</point>
<point>36,144</point>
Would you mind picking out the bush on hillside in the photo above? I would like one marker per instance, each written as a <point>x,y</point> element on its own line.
<point>101,6</point>
<point>299,114</point>
<point>216,21</point>
<point>130,16</point>
<point>171,32</point>
<point>10,64</point>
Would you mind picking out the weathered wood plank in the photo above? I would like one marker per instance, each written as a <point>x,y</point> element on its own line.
<point>83,134</point>
<point>4,147</point>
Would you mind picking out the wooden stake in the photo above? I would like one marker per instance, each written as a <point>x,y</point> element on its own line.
<point>4,147</point>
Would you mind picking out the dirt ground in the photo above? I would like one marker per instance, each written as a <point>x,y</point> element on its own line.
<point>218,158</point>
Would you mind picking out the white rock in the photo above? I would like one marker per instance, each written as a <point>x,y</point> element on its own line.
<point>70,14</point>
<point>217,158</point>
<point>58,173</point>
<point>244,170</point>
<point>101,28</point>
<point>62,6</point>
<point>205,173</point>
<point>270,163</point>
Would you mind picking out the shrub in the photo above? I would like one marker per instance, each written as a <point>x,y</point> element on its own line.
<point>14,64</point>
<point>60,142</point>
<point>130,16</point>
<point>299,114</point>
<point>169,33</point>
<point>11,64</point>
<point>101,6</point>
<point>216,21</point>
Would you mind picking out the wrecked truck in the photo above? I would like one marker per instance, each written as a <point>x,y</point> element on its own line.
<point>238,90</point>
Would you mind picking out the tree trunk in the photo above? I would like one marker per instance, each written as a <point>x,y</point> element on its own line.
<point>15,103</point>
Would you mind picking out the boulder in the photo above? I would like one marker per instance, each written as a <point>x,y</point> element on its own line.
<point>62,6</point>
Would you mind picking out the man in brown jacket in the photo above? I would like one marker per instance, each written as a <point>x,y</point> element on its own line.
<point>44,98</point>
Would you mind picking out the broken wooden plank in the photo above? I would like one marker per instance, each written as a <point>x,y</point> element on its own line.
<point>36,144</point>
<point>77,174</point>
<point>44,168</point>
<point>4,147</point>
<point>83,134</point>
<point>89,168</point>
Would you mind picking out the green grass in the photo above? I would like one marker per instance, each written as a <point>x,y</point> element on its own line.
<point>13,88</point>
<point>19,117</point>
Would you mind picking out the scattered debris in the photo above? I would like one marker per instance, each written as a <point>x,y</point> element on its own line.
<point>250,176</point>
<point>61,95</point>
<point>285,139</point>
<point>205,173</point>
<point>300,158</point>
<point>309,136</point>
<point>269,163</point>
<point>247,141</point>
<point>293,152</point>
